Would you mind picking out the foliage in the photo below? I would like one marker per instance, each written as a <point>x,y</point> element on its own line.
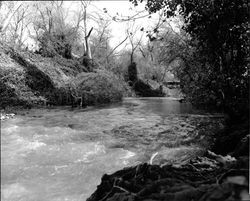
<point>100,45</point>
<point>97,88</point>
<point>14,19</point>
<point>54,35</point>
<point>52,45</point>
<point>215,71</point>
<point>30,79</point>
<point>161,55</point>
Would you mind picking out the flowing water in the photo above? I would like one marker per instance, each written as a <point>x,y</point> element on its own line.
<point>60,154</point>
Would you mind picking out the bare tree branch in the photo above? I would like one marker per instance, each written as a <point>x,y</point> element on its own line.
<point>117,46</point>
<point>89,32</point>
<point>7,20</point>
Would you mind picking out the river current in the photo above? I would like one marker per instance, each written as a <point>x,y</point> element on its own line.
<point>59,154</point>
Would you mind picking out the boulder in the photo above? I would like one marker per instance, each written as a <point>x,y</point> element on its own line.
<point>203,178</point>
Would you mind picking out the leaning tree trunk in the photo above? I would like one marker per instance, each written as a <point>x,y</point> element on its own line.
<point>87,46</point>
<point>87,57</point>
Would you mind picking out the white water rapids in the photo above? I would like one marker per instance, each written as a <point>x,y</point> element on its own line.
<point>60,154</point>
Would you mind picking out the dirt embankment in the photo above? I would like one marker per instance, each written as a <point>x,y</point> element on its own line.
<point>28,79</point>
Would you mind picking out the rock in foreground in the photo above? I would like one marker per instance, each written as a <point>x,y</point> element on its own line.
<point>207,178</point>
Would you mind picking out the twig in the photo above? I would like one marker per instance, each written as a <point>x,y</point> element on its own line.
<point>117,46</point>
<point>123,189</point>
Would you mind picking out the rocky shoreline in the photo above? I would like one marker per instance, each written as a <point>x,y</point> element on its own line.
<point>206,178</point>
<point>4,116</point>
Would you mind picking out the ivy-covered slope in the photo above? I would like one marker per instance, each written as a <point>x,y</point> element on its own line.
<point>28,79</point>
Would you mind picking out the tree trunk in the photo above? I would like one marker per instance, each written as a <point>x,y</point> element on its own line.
<point>87,51</point>
<point>87,57</point>
<point>132,57</point>
<point>87,46</point>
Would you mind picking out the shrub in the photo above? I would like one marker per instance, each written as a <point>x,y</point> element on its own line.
<point>97,88</point>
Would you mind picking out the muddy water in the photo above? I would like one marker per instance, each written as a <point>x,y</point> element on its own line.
<point>60,154</point>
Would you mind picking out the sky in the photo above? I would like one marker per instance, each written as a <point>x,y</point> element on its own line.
<point>124,9</point>
<point>120,9</point>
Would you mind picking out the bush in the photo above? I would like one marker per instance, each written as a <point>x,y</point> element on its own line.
<point>97,88</point>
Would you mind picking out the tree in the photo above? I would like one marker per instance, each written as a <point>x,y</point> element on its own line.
<point>220,45</point>
<point>12,8</point>
<point>14,19</point>
<point>163,49</point>
<point>134,43</point>
<point>87,51</point>
<point>53,34</point>
<point>102,52</point>
<point>19,25</point>
<point>100,42</point>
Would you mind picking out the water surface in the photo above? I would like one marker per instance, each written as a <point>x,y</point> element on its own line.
<point>60,154</point>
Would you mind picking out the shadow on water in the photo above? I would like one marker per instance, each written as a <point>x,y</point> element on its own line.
<point>164,107</point>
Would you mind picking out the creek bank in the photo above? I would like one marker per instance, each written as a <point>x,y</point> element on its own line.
<point>4,116</point>
<point>144,89</point>
<point>235,136</point>
<point>150,87</point>
<point>28,79</point>
<point>207,177</point>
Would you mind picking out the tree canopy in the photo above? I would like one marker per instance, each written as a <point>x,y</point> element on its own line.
<point>215,70</point>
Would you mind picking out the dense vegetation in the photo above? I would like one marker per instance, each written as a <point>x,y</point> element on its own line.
<point>216,57</point>
<point>97,88</point>
<point>28,79</point>
<point>208,52</point>
<point>64,53</point>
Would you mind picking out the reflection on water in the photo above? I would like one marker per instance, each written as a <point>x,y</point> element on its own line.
<point>60,153</point>
<point>166,106</point>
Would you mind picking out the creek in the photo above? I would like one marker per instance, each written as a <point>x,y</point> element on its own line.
<point>60,153</point>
